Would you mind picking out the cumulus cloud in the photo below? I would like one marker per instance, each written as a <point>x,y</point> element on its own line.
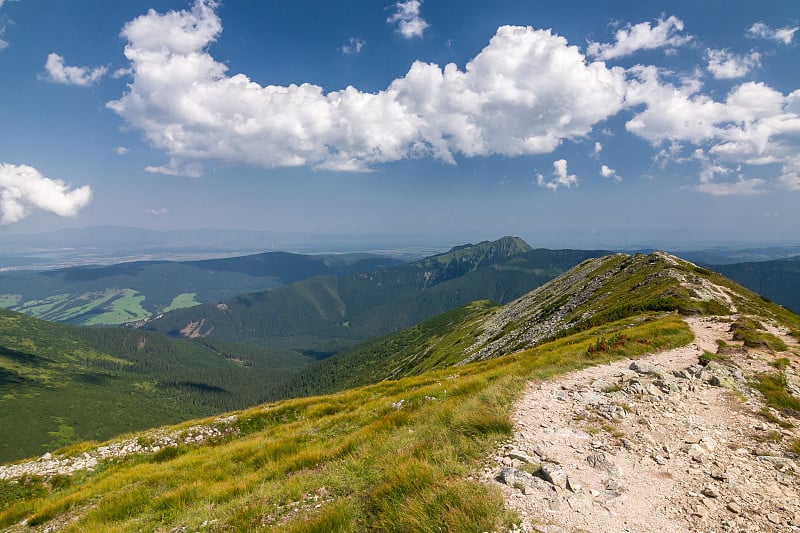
<point>598,147</point>
<point>58,72</point>
<point>724,64</point>
<point>524,93</point>
<point>410,23</point>
<point>642,36</point>
<point>781,35</point>
<point>353,46</point>
<point>23,188</point>
<point>753,125</point>
<point>561,178</point>
<point>157,212</point>
<point>610,173</point>
<point>120,150</point>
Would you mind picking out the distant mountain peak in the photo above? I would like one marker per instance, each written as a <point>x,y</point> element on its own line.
<point>478,253</point>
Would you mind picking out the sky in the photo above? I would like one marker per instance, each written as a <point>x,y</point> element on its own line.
<point>573,122</point>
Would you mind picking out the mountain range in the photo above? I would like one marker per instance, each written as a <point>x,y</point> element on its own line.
<point>409,420</point>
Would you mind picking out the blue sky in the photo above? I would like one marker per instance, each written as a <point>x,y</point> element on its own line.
<point>581,123</point>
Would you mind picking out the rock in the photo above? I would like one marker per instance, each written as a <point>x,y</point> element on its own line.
<point>647,369</point>
<point>520,456</point>
<point>719,475</point>
<point>522,480</point>
<point>573,486</point>
<point>554,474</point>
<point>734,507</point>
<point>600,461</point>
<point>580,502</point>
<point>659,459</point>
<point>775,518</point>
<point>711,492</point>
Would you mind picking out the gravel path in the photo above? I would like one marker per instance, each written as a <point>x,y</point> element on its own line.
<point>657,444</point>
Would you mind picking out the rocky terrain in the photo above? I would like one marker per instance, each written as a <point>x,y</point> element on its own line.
<point>657,444</point>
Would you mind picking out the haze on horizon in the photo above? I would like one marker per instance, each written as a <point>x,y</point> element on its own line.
<point>561,122</point>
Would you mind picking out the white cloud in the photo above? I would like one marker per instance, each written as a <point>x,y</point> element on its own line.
<point>724,64</point>
<point>120,150</point>
<point>22,188</point>
<point>610,173</point>
<point>354,46</point>
<point>176,168</point>
<point>598,147</point>
<point>754,125</point>
<point>524,93</point>
<point>409,22</point>
<point>562,177</point>
<point>57,72</point>
<point>741,187</point>
<point>157,212</point>
<point>3,22</point>
<point>642,36</point>
<point>781,35</point>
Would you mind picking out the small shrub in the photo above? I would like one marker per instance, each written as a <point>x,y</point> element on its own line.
<point>781,363</point>
<point>794,447</point>
<point>707,357</point>
<point>167,454</point>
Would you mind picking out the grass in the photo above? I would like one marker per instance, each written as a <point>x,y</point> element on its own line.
<point>751,333</point>
<point>781,363</point>
<point>380,464</point>
<point>774,388</point>
<point>127,307</point>
<point>182,301</point>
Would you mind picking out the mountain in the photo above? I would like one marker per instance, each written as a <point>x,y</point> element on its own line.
<point>323,315</point>
<point>778,280</point>
<point>426,447</point>
<point>61,384</point>
<point>598,291</point>
<point>127,292</point>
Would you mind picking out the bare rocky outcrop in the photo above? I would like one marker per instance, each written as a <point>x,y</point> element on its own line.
<point>657,444</point>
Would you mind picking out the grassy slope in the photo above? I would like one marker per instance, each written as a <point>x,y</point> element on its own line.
<point>372,462</point>
<point>61,384</point>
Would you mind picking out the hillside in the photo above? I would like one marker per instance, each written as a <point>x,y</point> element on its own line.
<point>595,292</point>
<point>127,292</point>
<point>62,384</point>
<point>778,280</point>
<point>448,448</point>
<point>324,315</point>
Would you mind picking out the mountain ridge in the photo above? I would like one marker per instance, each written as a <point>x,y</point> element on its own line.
<point>410,451</point>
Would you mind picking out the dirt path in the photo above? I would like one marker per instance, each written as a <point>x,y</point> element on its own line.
<point>657,444</point>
